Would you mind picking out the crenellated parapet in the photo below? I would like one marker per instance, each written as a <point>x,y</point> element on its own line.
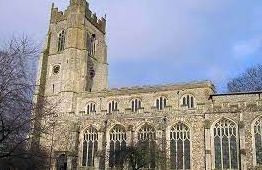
<point>80,7</point>
<point>98,23</point>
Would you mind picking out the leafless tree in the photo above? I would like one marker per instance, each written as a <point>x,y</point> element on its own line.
<point>250,80</point>
<point>17,82</point>
<point>145,154</point>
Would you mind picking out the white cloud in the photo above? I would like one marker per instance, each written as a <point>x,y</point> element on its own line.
<point>246,48</point>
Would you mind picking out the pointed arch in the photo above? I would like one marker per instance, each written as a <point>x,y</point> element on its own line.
<point>180,146</point>
<point>118,144</point>
<point>146,136</point>
<point>257,140</point>
<point>90,146</point>
<point>225,144</point>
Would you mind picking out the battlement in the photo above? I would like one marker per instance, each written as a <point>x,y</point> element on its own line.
<point>81,6</point>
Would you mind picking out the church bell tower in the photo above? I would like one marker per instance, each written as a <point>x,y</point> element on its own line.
<point>74,58</point>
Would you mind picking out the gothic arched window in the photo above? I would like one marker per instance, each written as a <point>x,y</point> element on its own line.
<point>258,141</point>
<point>161,103</point>
<point>112,106</point>
<point>188,101</point>
<point>117,146</point>
<point>147,143</point>
<point>61,41</point>
<point>225,144</point>
<point>180,147</point>
<point>90,145</point>
<point>135,105</point>
<point>91,108</point>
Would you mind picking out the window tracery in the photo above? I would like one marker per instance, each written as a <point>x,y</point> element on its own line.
<point>117,144</point>
<point>147,142</point>
<point>225,142</point>
<point>90,145</point>
<point>180,147</point>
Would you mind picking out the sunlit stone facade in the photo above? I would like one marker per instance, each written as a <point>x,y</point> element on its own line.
<point>194,126</point>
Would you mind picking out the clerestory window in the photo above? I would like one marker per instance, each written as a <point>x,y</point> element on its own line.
<point>188,101</point>
<point>112,106</point>
<point>161,103</point>
<point>135,105</point>
<point>91,108</point>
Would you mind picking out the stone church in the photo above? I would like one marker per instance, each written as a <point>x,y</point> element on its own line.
<point>195,127</point>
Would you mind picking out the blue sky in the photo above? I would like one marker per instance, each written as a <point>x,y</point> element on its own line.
<point>159,42</point>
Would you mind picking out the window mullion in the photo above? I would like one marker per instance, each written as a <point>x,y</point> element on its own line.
<point>221,148</point>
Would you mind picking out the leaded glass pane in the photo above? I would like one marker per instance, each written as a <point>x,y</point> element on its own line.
<point>187,154</point>
<point>217,144</point>
<point>233,150</point>
<point>173,154</point>
<point>225,150</point>
<point>111,154</point>
<point>84,153</point>
<point>90,153</point>
<point>180,154</point>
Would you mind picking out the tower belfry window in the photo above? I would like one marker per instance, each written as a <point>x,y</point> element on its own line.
<point>91,44</point>
<point>61,41</point>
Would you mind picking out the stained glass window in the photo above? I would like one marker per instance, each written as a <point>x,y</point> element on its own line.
<point>258,140</point>
<point>117,146</point>
<point>180,147</point>
<point>225,145</point>
<point>147,143</point>
<point>90,145</point>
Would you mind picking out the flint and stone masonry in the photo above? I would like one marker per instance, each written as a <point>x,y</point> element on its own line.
<point>194,126</point>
